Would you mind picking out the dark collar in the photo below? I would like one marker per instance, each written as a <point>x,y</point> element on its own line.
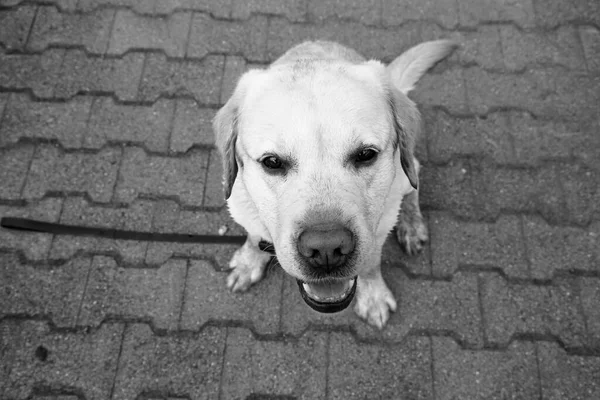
<point>267,247</point>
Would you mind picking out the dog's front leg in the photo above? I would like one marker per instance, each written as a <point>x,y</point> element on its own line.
<point>374,300</point>
<point>248,265</point>
<point>411,231</point>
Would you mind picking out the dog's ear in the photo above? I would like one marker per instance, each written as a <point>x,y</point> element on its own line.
<point>225,127</point>
<point>407,125</point>
<point>406,70</point>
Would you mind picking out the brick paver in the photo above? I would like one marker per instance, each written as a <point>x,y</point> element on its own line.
<point>106,112</point>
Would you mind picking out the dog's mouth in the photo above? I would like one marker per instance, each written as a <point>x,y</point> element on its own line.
<point>329,296</point>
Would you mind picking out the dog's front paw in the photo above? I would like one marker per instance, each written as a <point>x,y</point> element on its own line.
<point>248,266</point>
<point>374,301</point>
<point>411,234</point>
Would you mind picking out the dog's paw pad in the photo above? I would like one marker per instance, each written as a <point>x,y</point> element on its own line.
<point>412,236</point>
<point>375,304</point>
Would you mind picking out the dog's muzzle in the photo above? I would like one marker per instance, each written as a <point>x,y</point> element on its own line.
<point>326,297</point>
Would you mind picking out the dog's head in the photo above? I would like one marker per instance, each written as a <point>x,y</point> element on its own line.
<point>317,146</point>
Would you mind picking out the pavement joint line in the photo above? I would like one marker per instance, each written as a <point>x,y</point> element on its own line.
<point>578,22</point>
<point>108,94</point>
<point>461,268</point>
<point>22,203</point>
<point>484,162</point>
<point>282,337</point>
<point>492,110</point>
<point>447,65</point>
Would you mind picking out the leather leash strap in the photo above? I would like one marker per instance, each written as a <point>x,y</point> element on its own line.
<point>25,224</point>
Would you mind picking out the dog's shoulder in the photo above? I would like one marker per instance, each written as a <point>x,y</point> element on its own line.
<point>320,50</point>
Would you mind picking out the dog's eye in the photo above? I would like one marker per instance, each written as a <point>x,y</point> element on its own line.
<point>272,162</point>
<point>365,155</point>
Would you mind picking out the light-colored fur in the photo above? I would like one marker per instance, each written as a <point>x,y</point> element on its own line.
<point>315,106</point>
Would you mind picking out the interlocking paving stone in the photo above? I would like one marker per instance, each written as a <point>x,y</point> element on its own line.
<point>590,299</point>
<point>142,7</point>
<point>358,370</point>
<point>565,376</point>
<point>294,10</point>
<point>522,308</point>
<point>475,190</point>
<point>83,73</point>
<point>482,46</point>
<point>38,72</point>
<point>132,31</point>
<point>187,366</point>
<point>289,368</point>
<point>561,47</point>
<point>207,299</point>
<point>208,35</point>
<point>62,121</point>
<point>35,246</point>
<point>78,211</point>
<point>446,89</point>
<point>15,25</point>
<point>582,186</point>
<point>423,306</point>
<point>444,12</point>
<point>475,12</point>
<point>449,136</point>
<point>455,243</point>
<point>590,38</point>
<point>14,164</point>
<point>547,92</point>
<point>39,357</point>
<point>149,126</point>
<point>554,248</point>
<point>367,12</point>
<point>52,27</point>
<point>162,176</point>
<point>214,195</point>
<point>198,79</point>
<point>551,13</point>
<point>192,126</point>
<point>53,292</point>
<point>234,68</point>
<point>148,293</point>
<point>536,139</point>
<point>220,9</point>
<point>507,374</point>
<point>55,170</point>
<point>372,42</point>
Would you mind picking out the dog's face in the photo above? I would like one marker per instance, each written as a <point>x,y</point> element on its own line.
<point>316,147</point>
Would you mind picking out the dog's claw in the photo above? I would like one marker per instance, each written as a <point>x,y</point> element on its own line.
<point>240,279</point>
<point>412,236</point>
<point>374,302</point>
<point>247,267</point>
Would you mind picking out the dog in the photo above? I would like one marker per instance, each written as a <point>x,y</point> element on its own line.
<point>318,156</point>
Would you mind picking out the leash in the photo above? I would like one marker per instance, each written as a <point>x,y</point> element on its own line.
<point>30,225</point>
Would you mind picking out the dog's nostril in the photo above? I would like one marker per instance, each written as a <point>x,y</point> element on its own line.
<point>326,247</point>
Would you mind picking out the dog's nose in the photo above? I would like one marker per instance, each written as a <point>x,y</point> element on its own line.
<point>326,246</point>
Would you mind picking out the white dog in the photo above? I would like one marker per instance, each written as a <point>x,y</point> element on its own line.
<point>318,156</point>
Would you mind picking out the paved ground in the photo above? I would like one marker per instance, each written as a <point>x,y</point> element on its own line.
<point>105,121</point>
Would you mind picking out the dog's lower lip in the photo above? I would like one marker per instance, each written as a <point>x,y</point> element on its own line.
<point>332,302</point>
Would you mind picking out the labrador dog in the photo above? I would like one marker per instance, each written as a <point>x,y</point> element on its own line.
<point>317,159</point>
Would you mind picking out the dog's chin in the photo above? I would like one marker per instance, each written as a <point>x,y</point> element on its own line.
<point>328,296</point>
